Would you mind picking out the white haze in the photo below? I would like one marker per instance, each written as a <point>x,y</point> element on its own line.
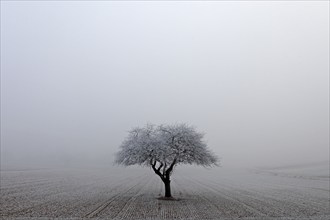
<point>76,76</point>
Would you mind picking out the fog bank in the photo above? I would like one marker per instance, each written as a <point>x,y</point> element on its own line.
<point>76,76</point>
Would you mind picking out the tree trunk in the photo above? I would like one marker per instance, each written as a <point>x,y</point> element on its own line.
<point>167,188</point>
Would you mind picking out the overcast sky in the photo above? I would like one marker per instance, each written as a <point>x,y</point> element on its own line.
<point>76,76</point>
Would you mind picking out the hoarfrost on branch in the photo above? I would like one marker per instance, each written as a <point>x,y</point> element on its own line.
<point>163,147</point>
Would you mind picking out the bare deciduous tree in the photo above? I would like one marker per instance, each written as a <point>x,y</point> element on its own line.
<point>163,147</point>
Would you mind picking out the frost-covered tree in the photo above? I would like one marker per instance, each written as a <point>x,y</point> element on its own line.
<point>164,147</point>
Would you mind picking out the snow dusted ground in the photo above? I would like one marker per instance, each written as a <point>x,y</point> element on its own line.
<point>131,193</point>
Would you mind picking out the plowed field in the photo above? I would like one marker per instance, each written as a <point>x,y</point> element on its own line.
<point>131,193</point>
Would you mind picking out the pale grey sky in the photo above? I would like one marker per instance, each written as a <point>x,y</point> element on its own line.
<point>76,76</point>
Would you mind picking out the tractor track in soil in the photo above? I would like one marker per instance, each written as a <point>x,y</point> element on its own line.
<point>95,212</point>
<point>133,194</point>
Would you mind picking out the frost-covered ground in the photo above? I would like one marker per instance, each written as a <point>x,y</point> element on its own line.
<point>131,193</point>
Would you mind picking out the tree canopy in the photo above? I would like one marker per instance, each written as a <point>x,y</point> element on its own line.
<point>163,147</point>
<point>165,144</point>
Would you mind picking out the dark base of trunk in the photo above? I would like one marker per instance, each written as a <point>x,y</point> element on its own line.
<point>168,198</point>
<point>168,189</point>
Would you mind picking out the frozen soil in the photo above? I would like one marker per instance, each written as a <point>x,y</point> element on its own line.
<point>132,193</point>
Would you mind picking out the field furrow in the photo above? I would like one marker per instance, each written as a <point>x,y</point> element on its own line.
<point>134,194</point>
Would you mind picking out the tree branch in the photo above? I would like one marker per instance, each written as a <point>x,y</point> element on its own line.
<point>163,129</point>
<point>160,166</point>
<point>169,170</point>
<point>164,168</point>
<point>157,171</point>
